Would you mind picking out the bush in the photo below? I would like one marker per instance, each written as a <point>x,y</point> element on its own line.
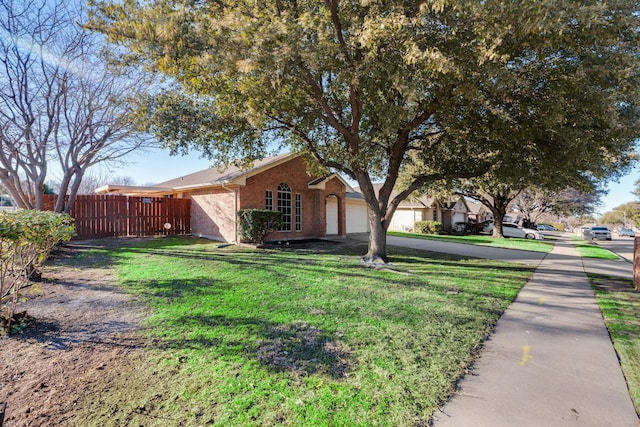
<point>26,239</point>
<point>472,227</point>
<point>256,224</point>
<point>461,227</point>
<point>428,227</point>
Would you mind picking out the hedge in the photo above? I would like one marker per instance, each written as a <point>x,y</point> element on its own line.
<point>428,227</point>
<point>26,240</point>
<point>256,224</point>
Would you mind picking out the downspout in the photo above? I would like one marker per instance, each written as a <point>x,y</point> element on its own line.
<point>235,211</point>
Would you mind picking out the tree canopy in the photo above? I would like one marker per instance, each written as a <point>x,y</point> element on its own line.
<point>533,204</point>
<point>625,215</point>
<point>369,88</point>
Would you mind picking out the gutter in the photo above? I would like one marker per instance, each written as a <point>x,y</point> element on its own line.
<point>203,185</point>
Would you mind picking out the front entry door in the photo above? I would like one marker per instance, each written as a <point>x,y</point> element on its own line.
<point>332,215</point>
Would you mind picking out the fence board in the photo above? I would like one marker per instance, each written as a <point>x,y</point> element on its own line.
<point>98,216</point>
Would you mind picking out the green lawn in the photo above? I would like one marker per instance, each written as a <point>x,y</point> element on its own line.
<point>293,337</point>
<point>620,306</point>
<point>484,240</point>
<point>591,250</point>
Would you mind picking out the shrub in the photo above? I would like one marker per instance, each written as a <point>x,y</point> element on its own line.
<point>428,227</point>
<point>256,224</point>
<point>461,227</point>
<point>26,239</point>
<point>472,227</point>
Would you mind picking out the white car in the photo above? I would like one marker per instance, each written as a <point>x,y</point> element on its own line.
<point>514,230</point>
<point>546,227</point>
<point>628,232</point>
<point>599,232</point>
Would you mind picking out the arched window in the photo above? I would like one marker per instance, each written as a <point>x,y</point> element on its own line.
<point>284,206</point>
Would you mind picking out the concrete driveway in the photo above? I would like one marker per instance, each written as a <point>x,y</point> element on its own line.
<point>622,267</point>
<point>472,251</point>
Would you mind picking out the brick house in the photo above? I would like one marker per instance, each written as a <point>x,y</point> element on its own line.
<point>479,212</point>
<point>312,207</point>
<point>422,208</point>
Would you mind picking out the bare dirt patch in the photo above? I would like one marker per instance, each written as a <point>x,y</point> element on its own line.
<point>86,340</point>
<point>85,330</point>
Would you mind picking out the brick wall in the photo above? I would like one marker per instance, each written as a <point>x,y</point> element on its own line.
<point>293,173</point>
<point>213,210</point>
<point>213,214</point>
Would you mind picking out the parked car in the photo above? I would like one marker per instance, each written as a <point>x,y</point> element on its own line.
<point>486,226</point>
<point>626,232</point>
<point>514,230</point>
<point>6,204</point>
<point>584,231</point>
<point>546,227</point>
<point>599,232</point>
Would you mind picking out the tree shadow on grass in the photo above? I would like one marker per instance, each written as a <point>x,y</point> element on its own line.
<point>297,347</point>
<point>102,252</point>
<point>294,347</point>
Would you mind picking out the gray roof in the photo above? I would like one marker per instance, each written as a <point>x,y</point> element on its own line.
<point>217,176</point>
<point>222,174</point>
<point>475,207</point>
<point>354,195</point>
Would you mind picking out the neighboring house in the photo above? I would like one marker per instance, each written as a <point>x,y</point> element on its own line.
<point>312,207</point>
<point>413,210</point>
<point>478,212</point>
<point>420,208</point>
<point>424,208</point>
<point>454,213</point>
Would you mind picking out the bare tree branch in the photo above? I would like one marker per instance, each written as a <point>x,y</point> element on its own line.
<point>61,106</point>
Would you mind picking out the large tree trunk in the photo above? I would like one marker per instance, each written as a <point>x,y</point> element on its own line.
<point>377,251</point>
<point>499,210</point>
<point>376,213</point>
<point>39,194</point>
<point>73,193</point>
<point>498,219</point>
<point>69,189</point>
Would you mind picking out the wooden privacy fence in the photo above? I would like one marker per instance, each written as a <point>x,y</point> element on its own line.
<point>98,216</point>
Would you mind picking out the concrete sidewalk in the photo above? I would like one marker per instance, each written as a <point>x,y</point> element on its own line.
<point>550,361</point>
<point>619,268</point>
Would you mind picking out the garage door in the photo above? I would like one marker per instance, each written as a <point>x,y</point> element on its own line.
<point>357,219</point>
<point>402,220</point>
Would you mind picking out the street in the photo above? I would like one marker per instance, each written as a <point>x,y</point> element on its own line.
<point>622,246</point>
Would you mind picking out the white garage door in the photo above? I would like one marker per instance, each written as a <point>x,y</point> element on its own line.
<point>402,220</point>
<point>357,219</point>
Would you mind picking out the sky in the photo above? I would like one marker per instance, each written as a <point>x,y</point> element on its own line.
<point>620,192</point>
<point>157,166</point>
